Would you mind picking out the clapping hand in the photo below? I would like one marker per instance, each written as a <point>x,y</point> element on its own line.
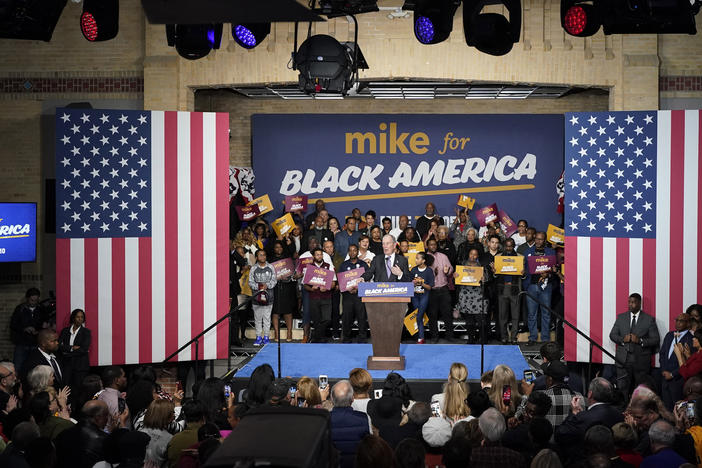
<point>396,270</point>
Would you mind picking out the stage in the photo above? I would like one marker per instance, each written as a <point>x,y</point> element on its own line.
<point>423,362</point>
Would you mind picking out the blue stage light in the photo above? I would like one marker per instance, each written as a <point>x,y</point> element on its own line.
<point>424,29</point>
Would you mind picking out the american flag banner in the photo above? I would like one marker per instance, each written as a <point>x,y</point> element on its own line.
<point>142,226</point>
<point>632,215</point>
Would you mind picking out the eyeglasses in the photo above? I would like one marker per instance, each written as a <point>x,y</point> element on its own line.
<point>6,375</point>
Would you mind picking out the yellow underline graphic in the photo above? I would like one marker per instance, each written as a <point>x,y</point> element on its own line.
<point>379,196</point>
<point>14,237</point>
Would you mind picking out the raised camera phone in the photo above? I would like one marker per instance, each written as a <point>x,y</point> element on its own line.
<point>300,401</point>
<point>529,376</point>
<point>323,381</point>
<point>378,394</point>
<point>179,386</point>
<point>690,410</point>
<point>293,391</point>
<point>227,391</point>
<point>436,409</point>
<point>506,395</point>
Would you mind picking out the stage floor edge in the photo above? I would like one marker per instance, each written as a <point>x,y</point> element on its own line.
<point>423,361</point>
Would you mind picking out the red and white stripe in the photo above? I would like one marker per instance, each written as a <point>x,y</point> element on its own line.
<point>601,273</point>
<point>145,297</point>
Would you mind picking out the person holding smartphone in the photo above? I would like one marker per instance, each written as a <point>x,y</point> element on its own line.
<point>423,279</point>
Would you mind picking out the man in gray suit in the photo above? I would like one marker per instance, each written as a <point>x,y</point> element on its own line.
<point>637,339</point>
<point>389,266</point>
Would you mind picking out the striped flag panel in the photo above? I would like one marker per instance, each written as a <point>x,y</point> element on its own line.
<point>632,214</point>
<point>142,230</point>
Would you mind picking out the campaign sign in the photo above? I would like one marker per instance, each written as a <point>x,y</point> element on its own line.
<point>487,214</point>
<point>349,279</point>
<point>302,263</point>
<point>263,202</point>
<point>466,202</point>
<point>411,322</point>
<point>283,225</point>
<point>509,265</point>
<point>18,237</point>
<point>283,268</point>
<point>540,263</point>
<point>414,247</point>
<point>385,289</point>
<point>508,225</point>
<point>247,213</point>
<point>468,275</point>
<point>555,235</point>
<point>295,203</point>
<point>319,276</point>
<point>395,163</point>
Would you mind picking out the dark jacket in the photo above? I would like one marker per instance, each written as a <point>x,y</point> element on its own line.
<point>322,236</point>
<point>465,248</point>
<point>236,263</point>
<point>77,360</point>
<point>572,431</point>
<point>22,318</point>
<point>423,223</point>
<point>377,271</point>
<point>447,248</point>
<point>80,446</point>
<point>348,427</point>
<point>34,359</point>
<point>671,364</point>
<point>640,353</point>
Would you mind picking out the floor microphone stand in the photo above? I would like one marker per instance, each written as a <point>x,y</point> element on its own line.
<point>482,327</point>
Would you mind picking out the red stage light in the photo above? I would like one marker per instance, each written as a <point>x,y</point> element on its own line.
<point>88,26</point>
<point>575,20</point>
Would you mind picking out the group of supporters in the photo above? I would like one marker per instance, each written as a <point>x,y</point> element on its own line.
<point>434,250</point>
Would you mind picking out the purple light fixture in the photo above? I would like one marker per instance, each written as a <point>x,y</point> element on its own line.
<point>249,36</point>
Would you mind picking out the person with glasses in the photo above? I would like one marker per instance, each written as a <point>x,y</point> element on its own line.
<point>520,236</point>
<point>8,379</point>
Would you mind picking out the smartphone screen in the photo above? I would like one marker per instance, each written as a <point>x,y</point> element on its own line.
<point>300,401</point>
<point>690,409</point>
<point>323,381</point>
<point>293,391</point>
<point>227,391</point>
<point>378,394</point>
<point>506,395</point>
<point>436,408</point>
<point>529,376</point>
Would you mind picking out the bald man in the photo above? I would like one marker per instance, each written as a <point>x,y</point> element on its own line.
<point>43,354</point>
<point>82,445</point>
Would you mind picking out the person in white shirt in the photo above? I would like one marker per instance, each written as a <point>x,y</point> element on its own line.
<point>403,223</point>
<point>520,236</point>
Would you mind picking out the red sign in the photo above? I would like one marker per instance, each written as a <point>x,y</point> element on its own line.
<point>349,279</point>
<point>487,214</point>
<point>295,203</point>
<point>319,276</point>
<point>540,263</point>
<point>247,213</point>
<point>509,226</point>
<point>302,263</point>
<point>283,268</point>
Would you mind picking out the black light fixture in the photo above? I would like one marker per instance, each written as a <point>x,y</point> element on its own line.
<point>579,18</point>
<point>249,35</point>
<point>492,33</point>
<point>325,65</point>
<point>194,41</point>
<point>433,20</point>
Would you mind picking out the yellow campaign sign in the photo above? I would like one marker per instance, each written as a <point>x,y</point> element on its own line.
<point>414,247</point>
<point>411,259</point>
<point>466,202</point>
<point>263,202</point>
<point>555,235</point>
<point>283,225</point>
<point>411,322</point>
<point>509,265</point>
<point>468,275</point>
<point>244,283</point>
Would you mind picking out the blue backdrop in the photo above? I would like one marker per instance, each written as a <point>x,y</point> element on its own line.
<point>18,236</point>
<point>395,163</point>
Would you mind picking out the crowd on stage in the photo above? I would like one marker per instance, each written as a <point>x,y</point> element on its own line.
<point>385,253</point>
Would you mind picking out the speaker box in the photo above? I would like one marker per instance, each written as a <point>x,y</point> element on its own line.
<point>278,437</point>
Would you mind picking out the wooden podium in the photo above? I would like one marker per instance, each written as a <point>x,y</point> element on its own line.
<point>385,317</point>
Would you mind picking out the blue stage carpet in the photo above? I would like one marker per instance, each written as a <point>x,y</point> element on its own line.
<point>423,362</point>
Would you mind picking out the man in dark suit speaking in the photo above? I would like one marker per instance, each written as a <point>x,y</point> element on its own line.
<point>637,339</point>
<point>389,266</point>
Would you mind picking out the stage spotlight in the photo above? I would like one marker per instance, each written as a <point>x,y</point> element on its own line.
<point>492,33</point>
<point>327,66</point>
<point>433,20</point>
<point>194,41</point>
<point>100,19</point>
<point>579,18</point>
<point>250,35</point>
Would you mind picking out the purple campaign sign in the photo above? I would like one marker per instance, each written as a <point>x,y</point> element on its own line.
<point>385,289</point>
